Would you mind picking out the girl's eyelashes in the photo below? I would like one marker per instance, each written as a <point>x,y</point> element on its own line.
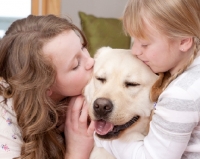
<point>78,64</point>
<point>144,45</point>
<point>83,46</point>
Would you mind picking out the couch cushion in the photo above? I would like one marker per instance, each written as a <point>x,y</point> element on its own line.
<point>103,32</point>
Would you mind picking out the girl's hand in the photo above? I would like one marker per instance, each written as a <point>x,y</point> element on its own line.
<point>79,136</point>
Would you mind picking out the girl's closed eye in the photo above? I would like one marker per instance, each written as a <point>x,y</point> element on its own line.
<point>83,47</point>
<point>78,64</point>
<point>144,45</point>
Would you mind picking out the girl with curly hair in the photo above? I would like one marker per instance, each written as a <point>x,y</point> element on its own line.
<point>44,66</point>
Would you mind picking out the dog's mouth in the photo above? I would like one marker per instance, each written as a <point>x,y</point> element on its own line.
<point>107,130</point>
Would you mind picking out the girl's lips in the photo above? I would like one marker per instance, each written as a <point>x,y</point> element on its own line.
<point>144,61</point>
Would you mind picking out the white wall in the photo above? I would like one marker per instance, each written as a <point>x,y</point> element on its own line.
<point>99,8</point>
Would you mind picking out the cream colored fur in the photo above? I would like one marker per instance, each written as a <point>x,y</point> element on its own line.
<point>127,84</point>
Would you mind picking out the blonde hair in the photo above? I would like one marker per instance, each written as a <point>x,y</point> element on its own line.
<point>28,74</point>
<point>173,18</point>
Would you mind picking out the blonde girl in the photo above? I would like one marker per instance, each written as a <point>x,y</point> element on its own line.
<point>166,37</point>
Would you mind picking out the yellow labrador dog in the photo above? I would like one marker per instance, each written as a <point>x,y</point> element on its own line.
<point>118,97</point>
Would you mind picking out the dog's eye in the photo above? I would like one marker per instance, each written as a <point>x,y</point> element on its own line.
<point>102,80</point>
<point>131,84</point>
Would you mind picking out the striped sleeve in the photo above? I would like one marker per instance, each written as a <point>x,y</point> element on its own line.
<point>175,130</point>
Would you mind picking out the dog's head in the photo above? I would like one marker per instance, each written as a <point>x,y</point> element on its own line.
<point>118,93</point>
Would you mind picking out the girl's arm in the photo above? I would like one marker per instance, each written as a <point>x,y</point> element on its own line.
<point>173,125</point>
<point>79,136</point>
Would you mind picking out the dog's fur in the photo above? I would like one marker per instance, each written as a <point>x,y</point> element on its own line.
<point>118,97</point>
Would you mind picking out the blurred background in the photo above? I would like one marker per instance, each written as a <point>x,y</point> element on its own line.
<point>100,20</point>
<point>11,10</point>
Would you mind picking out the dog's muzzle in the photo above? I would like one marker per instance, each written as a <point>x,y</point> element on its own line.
<point>102,108</point>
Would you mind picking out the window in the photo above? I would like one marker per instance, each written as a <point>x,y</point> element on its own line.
<point>11,10</point>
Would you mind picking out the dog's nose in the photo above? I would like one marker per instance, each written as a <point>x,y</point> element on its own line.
<point>102,106</point>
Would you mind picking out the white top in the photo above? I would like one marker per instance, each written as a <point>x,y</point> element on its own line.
<point>10,136</point>
<point>175,127</point>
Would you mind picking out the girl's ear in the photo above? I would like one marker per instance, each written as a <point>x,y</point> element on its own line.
<point>49,92</point>
<point>186,44</point>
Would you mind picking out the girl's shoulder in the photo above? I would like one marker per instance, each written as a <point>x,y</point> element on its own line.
<point>6,104</point>
<point>186,86</point>
<point>189,81</point>
<point>7,113</point>
<point>184,90</point>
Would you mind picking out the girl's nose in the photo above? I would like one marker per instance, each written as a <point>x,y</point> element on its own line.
<point>136,50</point>
<point>89,63</point>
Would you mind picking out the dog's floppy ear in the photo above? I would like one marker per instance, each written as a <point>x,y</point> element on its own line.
<point>102,49</point>
<point>88,91</point>
<point>158,86</point>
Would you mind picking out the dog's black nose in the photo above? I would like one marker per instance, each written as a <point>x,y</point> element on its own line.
<point>102,106</point>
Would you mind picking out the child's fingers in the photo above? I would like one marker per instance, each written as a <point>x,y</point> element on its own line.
<point>69,110</point>
<point>83,117</point>
<point>84,121</point>
<point>76,111</point>
<point>77,116</point>
<point>70,105</point>
<point>91,128</point>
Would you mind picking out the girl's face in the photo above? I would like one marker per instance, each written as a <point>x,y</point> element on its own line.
<point>73,65</point>
<point>158,52</point>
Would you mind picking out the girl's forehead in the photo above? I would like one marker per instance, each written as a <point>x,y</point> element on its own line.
<point>141,24</point>
<point>144,31</point>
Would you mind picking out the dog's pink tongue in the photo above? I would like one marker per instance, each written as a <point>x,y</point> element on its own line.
<point>103,127</point>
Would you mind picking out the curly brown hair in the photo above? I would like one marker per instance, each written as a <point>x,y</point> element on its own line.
<point>28,74</point>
